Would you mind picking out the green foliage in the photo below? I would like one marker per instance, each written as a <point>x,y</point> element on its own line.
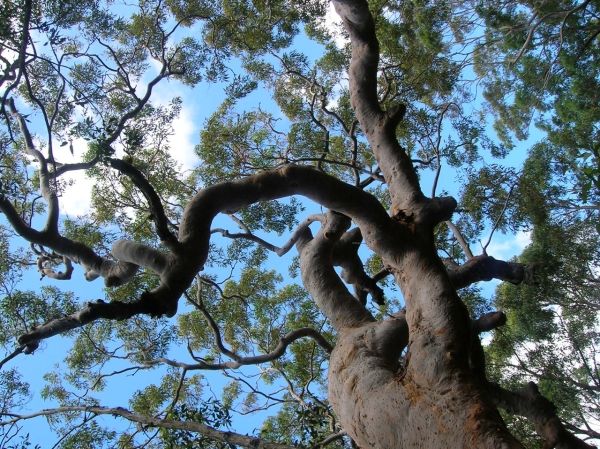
<point>211,412</point>
<point>90,436</point>
<point>89,85</point>
<point>24,310</point>
<point>550,76</point>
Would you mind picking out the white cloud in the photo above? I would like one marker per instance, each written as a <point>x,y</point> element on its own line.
<point>184,139</point>
<point>333,24</point>
<point>504,247</point>
<point>185,131</point>
<point>76,199</point>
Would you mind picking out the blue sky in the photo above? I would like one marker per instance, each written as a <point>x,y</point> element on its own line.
<point>199,103</point>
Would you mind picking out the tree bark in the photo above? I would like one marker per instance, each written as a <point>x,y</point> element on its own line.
<point>433,397</point>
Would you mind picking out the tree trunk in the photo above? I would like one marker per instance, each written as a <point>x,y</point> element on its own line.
<point>436,396</point>
<point>432,397</point>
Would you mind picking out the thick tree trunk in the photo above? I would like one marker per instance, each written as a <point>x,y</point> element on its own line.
<point>437,397</point>
<point>429,398</point>
<point>384,408</point>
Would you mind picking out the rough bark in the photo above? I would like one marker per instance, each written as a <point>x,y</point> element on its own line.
<point>434,399</point>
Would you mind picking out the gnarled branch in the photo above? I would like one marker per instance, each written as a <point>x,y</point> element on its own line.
<point>486,268</point>
<point>320,279</point>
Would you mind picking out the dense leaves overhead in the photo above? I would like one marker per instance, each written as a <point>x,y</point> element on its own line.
<point>93,96</point>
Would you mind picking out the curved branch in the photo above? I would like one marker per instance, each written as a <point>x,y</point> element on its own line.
<point>12,355</point>
<point>320,279</point>
<point>230,438</point>
<point>486,268</point>
<point>114,273</point>
<point>330,439</point>
<point>529,403</point>
<point>49,195</point>
<point>228,197</point>
<point>158,212</point>
<point>61,169</point>
<point>178,270</point>
<point>277,250</point>
<point>277,352</point>
<point>44,264</point>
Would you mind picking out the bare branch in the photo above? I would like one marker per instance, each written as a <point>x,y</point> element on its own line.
<point>158,212</point>
<point>49,195</point>
<point>231,438</point>
<point>93,311</point>
<point>460,239</point>
<point>277,352</point>
<point>380,126</point>
<point>330,439</point>
<point>12,355</point>
<point>486,268</point>
<point>279,251</point>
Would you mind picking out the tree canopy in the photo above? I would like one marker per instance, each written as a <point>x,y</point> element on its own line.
<point>320,270</point>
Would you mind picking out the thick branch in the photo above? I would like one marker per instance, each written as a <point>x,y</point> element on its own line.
<point>177,270</point>
<point>486,268</point>
<point>345,255</point>
<point>529,403</point>
<point>231,438</point>
<point>114,273</point>
<point>228,197</point>
<point>320,279</point>
<point>379,126</point>
<point>140,255</point>
<point>93,311</point>
<point>489,321</point>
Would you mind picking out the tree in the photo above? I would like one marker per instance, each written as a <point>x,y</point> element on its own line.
<point>409,373</point>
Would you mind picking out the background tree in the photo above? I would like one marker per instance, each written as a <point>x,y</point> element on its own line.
<point>358,126</point>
